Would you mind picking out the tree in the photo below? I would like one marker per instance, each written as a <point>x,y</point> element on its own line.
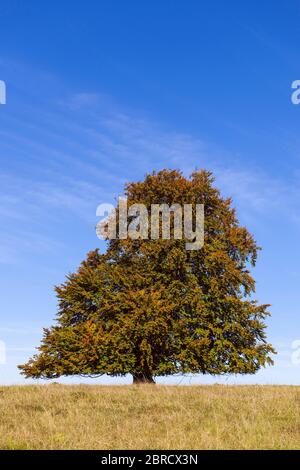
<point>151,308</point>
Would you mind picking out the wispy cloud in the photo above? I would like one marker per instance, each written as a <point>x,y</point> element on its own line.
<point>19,331</point>
<point>78,151</point>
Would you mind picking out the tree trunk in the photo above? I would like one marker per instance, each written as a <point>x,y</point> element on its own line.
<point>142,378</point>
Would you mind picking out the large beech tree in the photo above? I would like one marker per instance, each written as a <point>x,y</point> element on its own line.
<point>151,308</point>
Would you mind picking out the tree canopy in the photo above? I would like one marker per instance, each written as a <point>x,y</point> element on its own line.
<point>152,308</point>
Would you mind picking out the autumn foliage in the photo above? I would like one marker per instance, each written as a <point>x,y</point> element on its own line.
<point>151,308</point>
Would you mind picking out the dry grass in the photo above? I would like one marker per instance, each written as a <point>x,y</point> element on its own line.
<point>149,417</point>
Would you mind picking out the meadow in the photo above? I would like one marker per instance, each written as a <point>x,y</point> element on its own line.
<point>149,417</point>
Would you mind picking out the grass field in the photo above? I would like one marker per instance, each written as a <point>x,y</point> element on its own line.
<point>149,417</point>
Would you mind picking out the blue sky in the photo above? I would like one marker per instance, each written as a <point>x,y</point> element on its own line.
<point>99,93</point>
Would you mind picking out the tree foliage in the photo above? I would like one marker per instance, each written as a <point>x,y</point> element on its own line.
<point>151,308</point>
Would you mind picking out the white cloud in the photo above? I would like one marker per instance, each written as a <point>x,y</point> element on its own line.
<point>75,161</point>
